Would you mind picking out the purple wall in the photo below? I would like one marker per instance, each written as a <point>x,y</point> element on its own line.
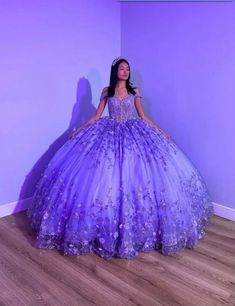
<point>183,59</point>
<point>55,59</point>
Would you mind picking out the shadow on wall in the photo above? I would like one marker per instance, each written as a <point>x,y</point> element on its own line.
<point>83,109</point>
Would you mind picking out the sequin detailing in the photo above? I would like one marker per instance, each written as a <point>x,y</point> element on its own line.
<point>119,187</point>
<point>121,109</point>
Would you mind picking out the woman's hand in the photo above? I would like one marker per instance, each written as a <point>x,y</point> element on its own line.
<point>92,119</point>
<point>74,133</point>
<point>169,136</point>
<point>165,134</point>
<point>153,124</point>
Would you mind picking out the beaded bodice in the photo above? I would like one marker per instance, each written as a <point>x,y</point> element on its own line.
<point>121,109</point>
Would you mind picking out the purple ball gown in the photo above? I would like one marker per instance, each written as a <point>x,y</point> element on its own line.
<point>119,187</point>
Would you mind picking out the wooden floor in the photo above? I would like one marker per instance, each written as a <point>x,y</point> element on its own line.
<point>200,277</point>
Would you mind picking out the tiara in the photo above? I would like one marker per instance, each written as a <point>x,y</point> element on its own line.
<point>117,59</point>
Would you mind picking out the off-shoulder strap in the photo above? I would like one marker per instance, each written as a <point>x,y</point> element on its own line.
<point>138,93</point>
<point>104,93</point>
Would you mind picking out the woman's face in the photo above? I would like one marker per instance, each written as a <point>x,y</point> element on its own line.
<point>123,71</point>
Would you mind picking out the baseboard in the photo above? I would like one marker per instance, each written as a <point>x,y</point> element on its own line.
<point>15,207</point>
<point>224,211</point>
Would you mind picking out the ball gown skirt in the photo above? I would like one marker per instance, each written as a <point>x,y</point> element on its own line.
<point>119,187</point>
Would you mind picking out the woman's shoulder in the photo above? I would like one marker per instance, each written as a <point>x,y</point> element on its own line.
<point>104,93</point>
<point>137,92</point>
<point>136,89</point>
<point>105,88</point>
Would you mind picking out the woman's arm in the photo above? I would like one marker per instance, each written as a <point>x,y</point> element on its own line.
<point>141,113</point>
<point>97,115</point>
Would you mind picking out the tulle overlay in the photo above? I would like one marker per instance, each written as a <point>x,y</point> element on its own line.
<point>119,187</point>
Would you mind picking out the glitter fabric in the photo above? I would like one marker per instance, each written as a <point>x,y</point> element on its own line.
<point>119,187</point>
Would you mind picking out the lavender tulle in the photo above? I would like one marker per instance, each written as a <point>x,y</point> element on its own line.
<point>119,187</point>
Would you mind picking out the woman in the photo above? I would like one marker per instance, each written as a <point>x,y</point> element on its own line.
<point>120,185</point>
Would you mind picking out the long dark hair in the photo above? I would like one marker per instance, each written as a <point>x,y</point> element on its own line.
<point>114,79</point>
